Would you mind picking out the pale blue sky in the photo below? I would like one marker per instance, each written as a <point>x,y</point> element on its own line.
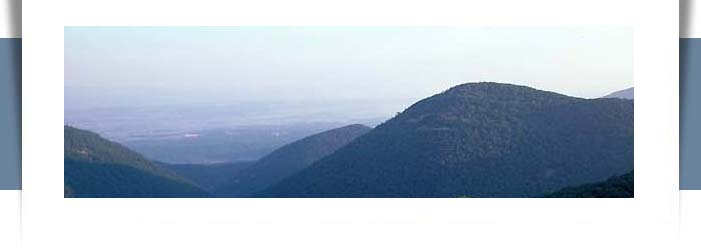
<point>134,65</point>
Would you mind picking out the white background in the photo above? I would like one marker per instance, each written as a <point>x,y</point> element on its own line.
<point>9,199</point>
<point>651,218</point>
<point>10,218</point>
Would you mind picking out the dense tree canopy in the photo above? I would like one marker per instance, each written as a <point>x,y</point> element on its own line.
<point>208,176</point>
<point>96,167</point>
<point>478,140</point>
<point>289,160</point>
<point>615,187</point>
<point>473,140</point>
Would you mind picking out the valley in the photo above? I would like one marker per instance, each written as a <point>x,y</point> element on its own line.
<point>472,140</point>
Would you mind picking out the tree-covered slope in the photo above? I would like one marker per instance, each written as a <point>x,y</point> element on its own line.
<point>615,187</point>
<point>208,176</point>
<point>477,140</point>
<point>96,167</point>
<point>288,160</point>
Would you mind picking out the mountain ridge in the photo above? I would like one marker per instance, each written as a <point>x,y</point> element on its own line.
<point>469,140</point>
<point>289,159</point>
<point>619,186</point>
<point>97,167</point>
<point>623,94</point>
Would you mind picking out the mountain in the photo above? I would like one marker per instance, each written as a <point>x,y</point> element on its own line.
<point>615,187</point>
<point>96,167</point>
<point>477,140</point>
<point>623,94</point>
<point>208,176</point>
<point>288,160</point>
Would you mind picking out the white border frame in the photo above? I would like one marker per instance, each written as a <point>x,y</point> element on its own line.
<point>651,218</point>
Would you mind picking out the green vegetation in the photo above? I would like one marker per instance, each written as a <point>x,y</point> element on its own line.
<point>473,140</point>
<point>96,167</point>
<point>480,140</point>
<point>208,176</point>
<point>615,187</point>
<point>289,160</point>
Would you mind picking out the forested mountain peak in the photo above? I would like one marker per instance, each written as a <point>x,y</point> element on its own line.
<point>484,102</point>
<point>480,140</point>
<point>496,90</point>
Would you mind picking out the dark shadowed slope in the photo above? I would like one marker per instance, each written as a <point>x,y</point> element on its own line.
<point>615,187</point>
<point>623,94</point>
<point>288,160</point>
<point>208,176</point>
<point>96,167</point>
<point>478,140</point>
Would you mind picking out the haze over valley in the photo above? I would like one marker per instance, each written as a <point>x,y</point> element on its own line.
<point>348,112</point>
<point>215,133</point>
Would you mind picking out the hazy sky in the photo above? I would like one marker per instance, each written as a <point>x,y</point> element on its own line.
<point>136,65</point>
